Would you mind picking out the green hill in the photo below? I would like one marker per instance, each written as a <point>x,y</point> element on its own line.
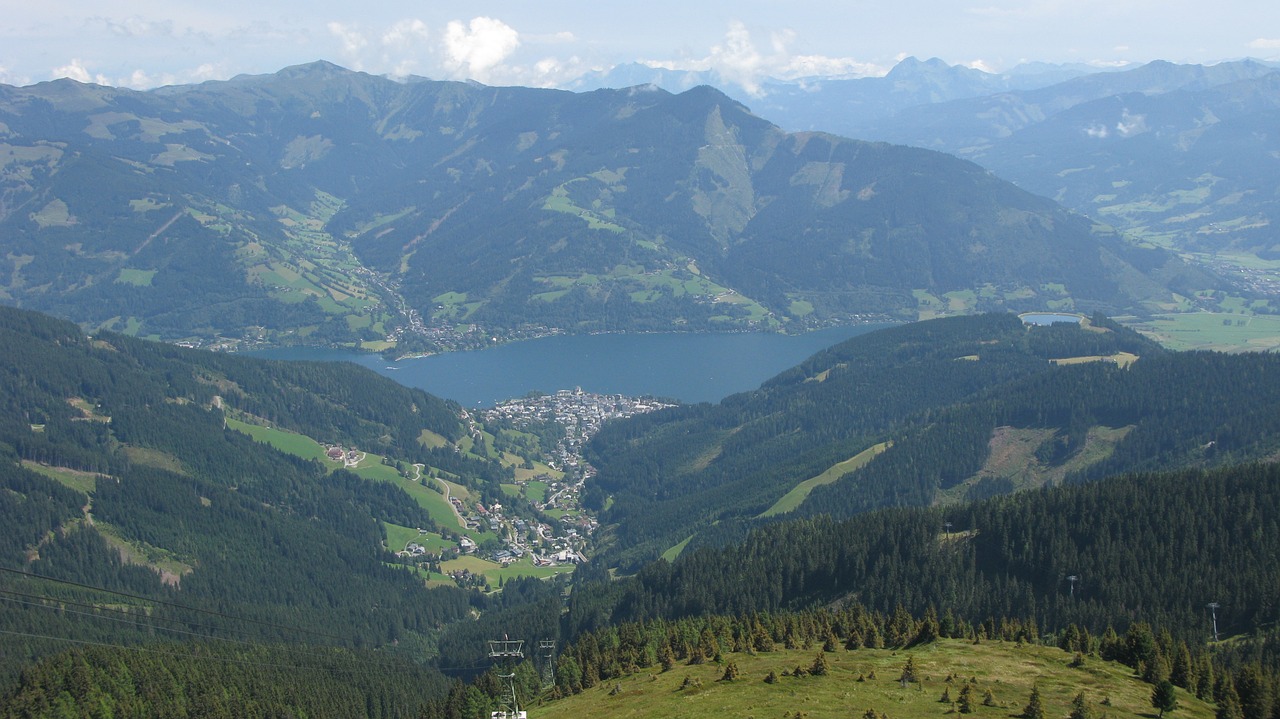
<point>868,679</point>
<point>969,407</point>
<point>128,488</point>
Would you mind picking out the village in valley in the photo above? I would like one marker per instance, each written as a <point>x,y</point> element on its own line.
<point>542,525</point>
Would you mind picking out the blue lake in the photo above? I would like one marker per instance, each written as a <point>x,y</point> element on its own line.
<point>688,367</point>
<point>1049,318</point>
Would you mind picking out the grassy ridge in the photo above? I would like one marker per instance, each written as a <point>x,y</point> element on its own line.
<point>1008,671</point>
<point>800,492</point>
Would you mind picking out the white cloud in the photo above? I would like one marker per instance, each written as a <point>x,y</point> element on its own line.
<point>801,66</point>
<point>405,33</point>
<point>7,77</point>
<point>475,50</point>
<point>1263,43</point>
<point>737,60</point>
<point>135,26</point>
<point>1131,125</point>
<point>208,71</point>
<point>76,70</point>
<point>139,80</point>
<point>1098,132</point>
<point>353,41</point>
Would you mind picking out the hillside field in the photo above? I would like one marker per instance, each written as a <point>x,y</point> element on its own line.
<point>1006,669</point>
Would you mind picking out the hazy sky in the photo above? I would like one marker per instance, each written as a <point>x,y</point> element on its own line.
<point>145,43</point>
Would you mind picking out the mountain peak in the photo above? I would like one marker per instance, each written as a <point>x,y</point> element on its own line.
<point>913,65</point>
<point>317,68</point>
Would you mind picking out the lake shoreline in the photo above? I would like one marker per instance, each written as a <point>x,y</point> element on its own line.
<point>688,366</point>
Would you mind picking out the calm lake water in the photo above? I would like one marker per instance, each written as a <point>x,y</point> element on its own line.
<point>687,367</point>
<point>1049,318</point>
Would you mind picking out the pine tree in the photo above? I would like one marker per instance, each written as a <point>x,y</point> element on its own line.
<point>1034,708</point>
<point>832,644</point>
<point>1254,692</point>
<point>908,671</point>
<point>1182,673</point>
<point>666,657</point>
<point>1080,707</point>
<point>929,630</point>
<point>820,666</point>
<point>966,699</point>
<point>1229,702</point>
<point>1163,697</point>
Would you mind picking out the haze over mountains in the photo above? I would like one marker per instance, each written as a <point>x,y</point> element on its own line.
<point>217,509</point>
<point>1180,156</point>
<point>319,204</point>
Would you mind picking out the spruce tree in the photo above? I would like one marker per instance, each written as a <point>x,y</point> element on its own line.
<point>1034,708</point>
<point>1080,708</point>
<point>908,671</point>
<point>1229,703</point>
<point>820,666</point>
<point>1163,697</point>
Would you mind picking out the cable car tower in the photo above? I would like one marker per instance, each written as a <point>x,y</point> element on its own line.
<point>505,648</point>
<point>547,660</point>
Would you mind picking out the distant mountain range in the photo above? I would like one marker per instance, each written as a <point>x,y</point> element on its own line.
<point>323,205</point>
<point>846,106</point>
<point>1181,156</point>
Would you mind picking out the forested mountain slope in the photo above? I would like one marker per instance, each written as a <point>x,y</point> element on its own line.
<point>319,204</point>
<point>945,410</point>
<point>1154,548</point>
<point>118,473</point>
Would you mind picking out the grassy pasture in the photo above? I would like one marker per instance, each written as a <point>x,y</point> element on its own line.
<point>287,442</point>
<point>800,492</point>
<point>137,278</point>
<point>75,479</point>
<point>493,571</point>
<point>1223,331</point>
<point>671,554</point>
<point>1008,671</point>
<point>1123,359</point>
<point>536,491</point>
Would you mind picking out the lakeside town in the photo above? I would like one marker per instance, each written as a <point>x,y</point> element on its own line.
<point>553,488</point>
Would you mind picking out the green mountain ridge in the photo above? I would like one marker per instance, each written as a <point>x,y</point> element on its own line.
<point>322,205</point>
<point>287,560</point>
<point>954,400</point>
<point>124,489</point>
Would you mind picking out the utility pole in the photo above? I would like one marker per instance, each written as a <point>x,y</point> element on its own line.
<point>1213,608</point>
<point>1073,579</point>
<point>948,527</point>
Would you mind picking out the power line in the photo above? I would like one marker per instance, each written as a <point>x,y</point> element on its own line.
<point>211,612</point>
<point>386,659</point>
<point>42,603</point>
<point>185,655</point>
<point>99,608</point>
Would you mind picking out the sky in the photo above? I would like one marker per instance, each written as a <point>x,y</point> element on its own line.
<point>549,43</point>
